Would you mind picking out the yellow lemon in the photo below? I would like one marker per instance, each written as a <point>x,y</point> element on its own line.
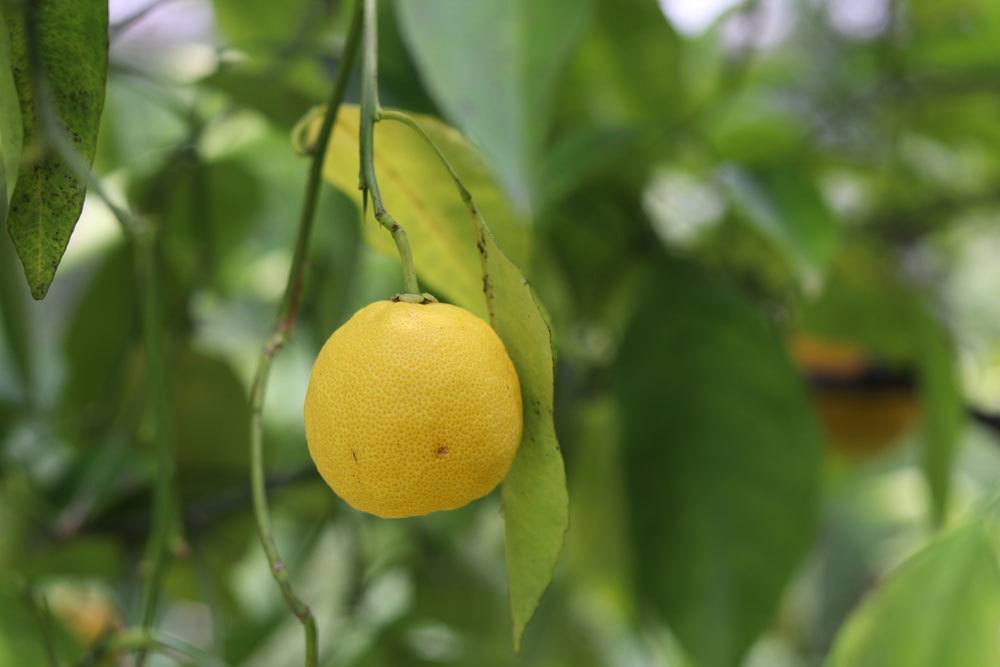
<point>413,408</point>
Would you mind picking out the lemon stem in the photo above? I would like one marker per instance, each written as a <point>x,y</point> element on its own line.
<point>283,327</point>
<point>370,112</point>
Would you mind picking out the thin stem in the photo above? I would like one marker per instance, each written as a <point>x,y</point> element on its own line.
<point>143,236</point>
<point>144,640</point>
<point>282,329</point>
<point>370,112</point>
<point>463,193</point>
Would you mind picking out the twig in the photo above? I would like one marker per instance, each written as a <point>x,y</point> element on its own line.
<point>283,327</point>
<point>370,112</point>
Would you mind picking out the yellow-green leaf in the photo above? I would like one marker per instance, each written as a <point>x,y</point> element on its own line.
<point>461,258</point>
<point>421,197</point>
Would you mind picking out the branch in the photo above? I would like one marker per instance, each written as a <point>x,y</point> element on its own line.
<point>283,327</point>
<point>370,112</point>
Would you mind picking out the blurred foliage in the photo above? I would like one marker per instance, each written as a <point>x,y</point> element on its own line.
<point>684,199</point>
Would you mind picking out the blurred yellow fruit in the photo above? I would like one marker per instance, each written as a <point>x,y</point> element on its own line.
<point>862,413</point>
<point>86,611</point>
<point>413,408</point>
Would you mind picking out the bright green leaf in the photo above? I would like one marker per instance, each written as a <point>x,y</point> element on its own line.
<point>48,197</point>
<point>492,67</point>
<point>940,607</point>
<point>722,460</point>
<point>536,506</point>
<point>419,194</point>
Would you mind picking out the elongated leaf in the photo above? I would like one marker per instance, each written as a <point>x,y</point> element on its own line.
<point>944,413</point>
<point>10,122</point>
<point>48,197</point>
<point>422,198</point>
<point>461,258</point>
<point>722,462</point>
<point>941,607</point>
<point>536,506</point>
<point>492,67</point>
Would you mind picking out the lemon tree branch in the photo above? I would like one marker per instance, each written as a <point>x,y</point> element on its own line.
<point>283,327</point>
<point>370,111</point>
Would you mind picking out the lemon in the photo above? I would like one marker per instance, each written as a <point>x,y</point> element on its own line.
<point>413,408</point>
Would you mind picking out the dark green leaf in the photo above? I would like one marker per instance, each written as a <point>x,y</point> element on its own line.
<point>48,197</point>
<point>210,415</point>
<point>722,463</point>
<point>940,607</point>
<point>784,204</point>
<point>492,66</point>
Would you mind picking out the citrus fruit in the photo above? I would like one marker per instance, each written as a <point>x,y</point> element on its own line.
<point>413,408</point>
<point>863,407</point>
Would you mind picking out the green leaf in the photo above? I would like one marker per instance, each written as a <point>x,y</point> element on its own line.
<point>210,414</point>
<point>419,194</point>
<point>940,607</point>
<point>947,38</point>
<point>98,339</point>
<point>627,68</point>
<point>263,25</point>
<point>784,204</point>
<point>944,412</point>
<point>48,197</point>
<point>10,122</point>
<point>492,67</point>
<point>536,505</point>
<point>722,461</point>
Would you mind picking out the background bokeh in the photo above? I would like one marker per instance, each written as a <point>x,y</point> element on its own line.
<point>766,235</point>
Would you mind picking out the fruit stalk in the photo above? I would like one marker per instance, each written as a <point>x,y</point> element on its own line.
<point>370,113</point>
<point>283,327</point>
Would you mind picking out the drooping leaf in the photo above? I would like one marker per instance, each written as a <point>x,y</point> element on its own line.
<point>422,198</point>
<point>48,197</point>
<point>940,607</point>
<point>536,505</point>
<point>721,458</point>
<point>460,256</point>
<point>492,67</point>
